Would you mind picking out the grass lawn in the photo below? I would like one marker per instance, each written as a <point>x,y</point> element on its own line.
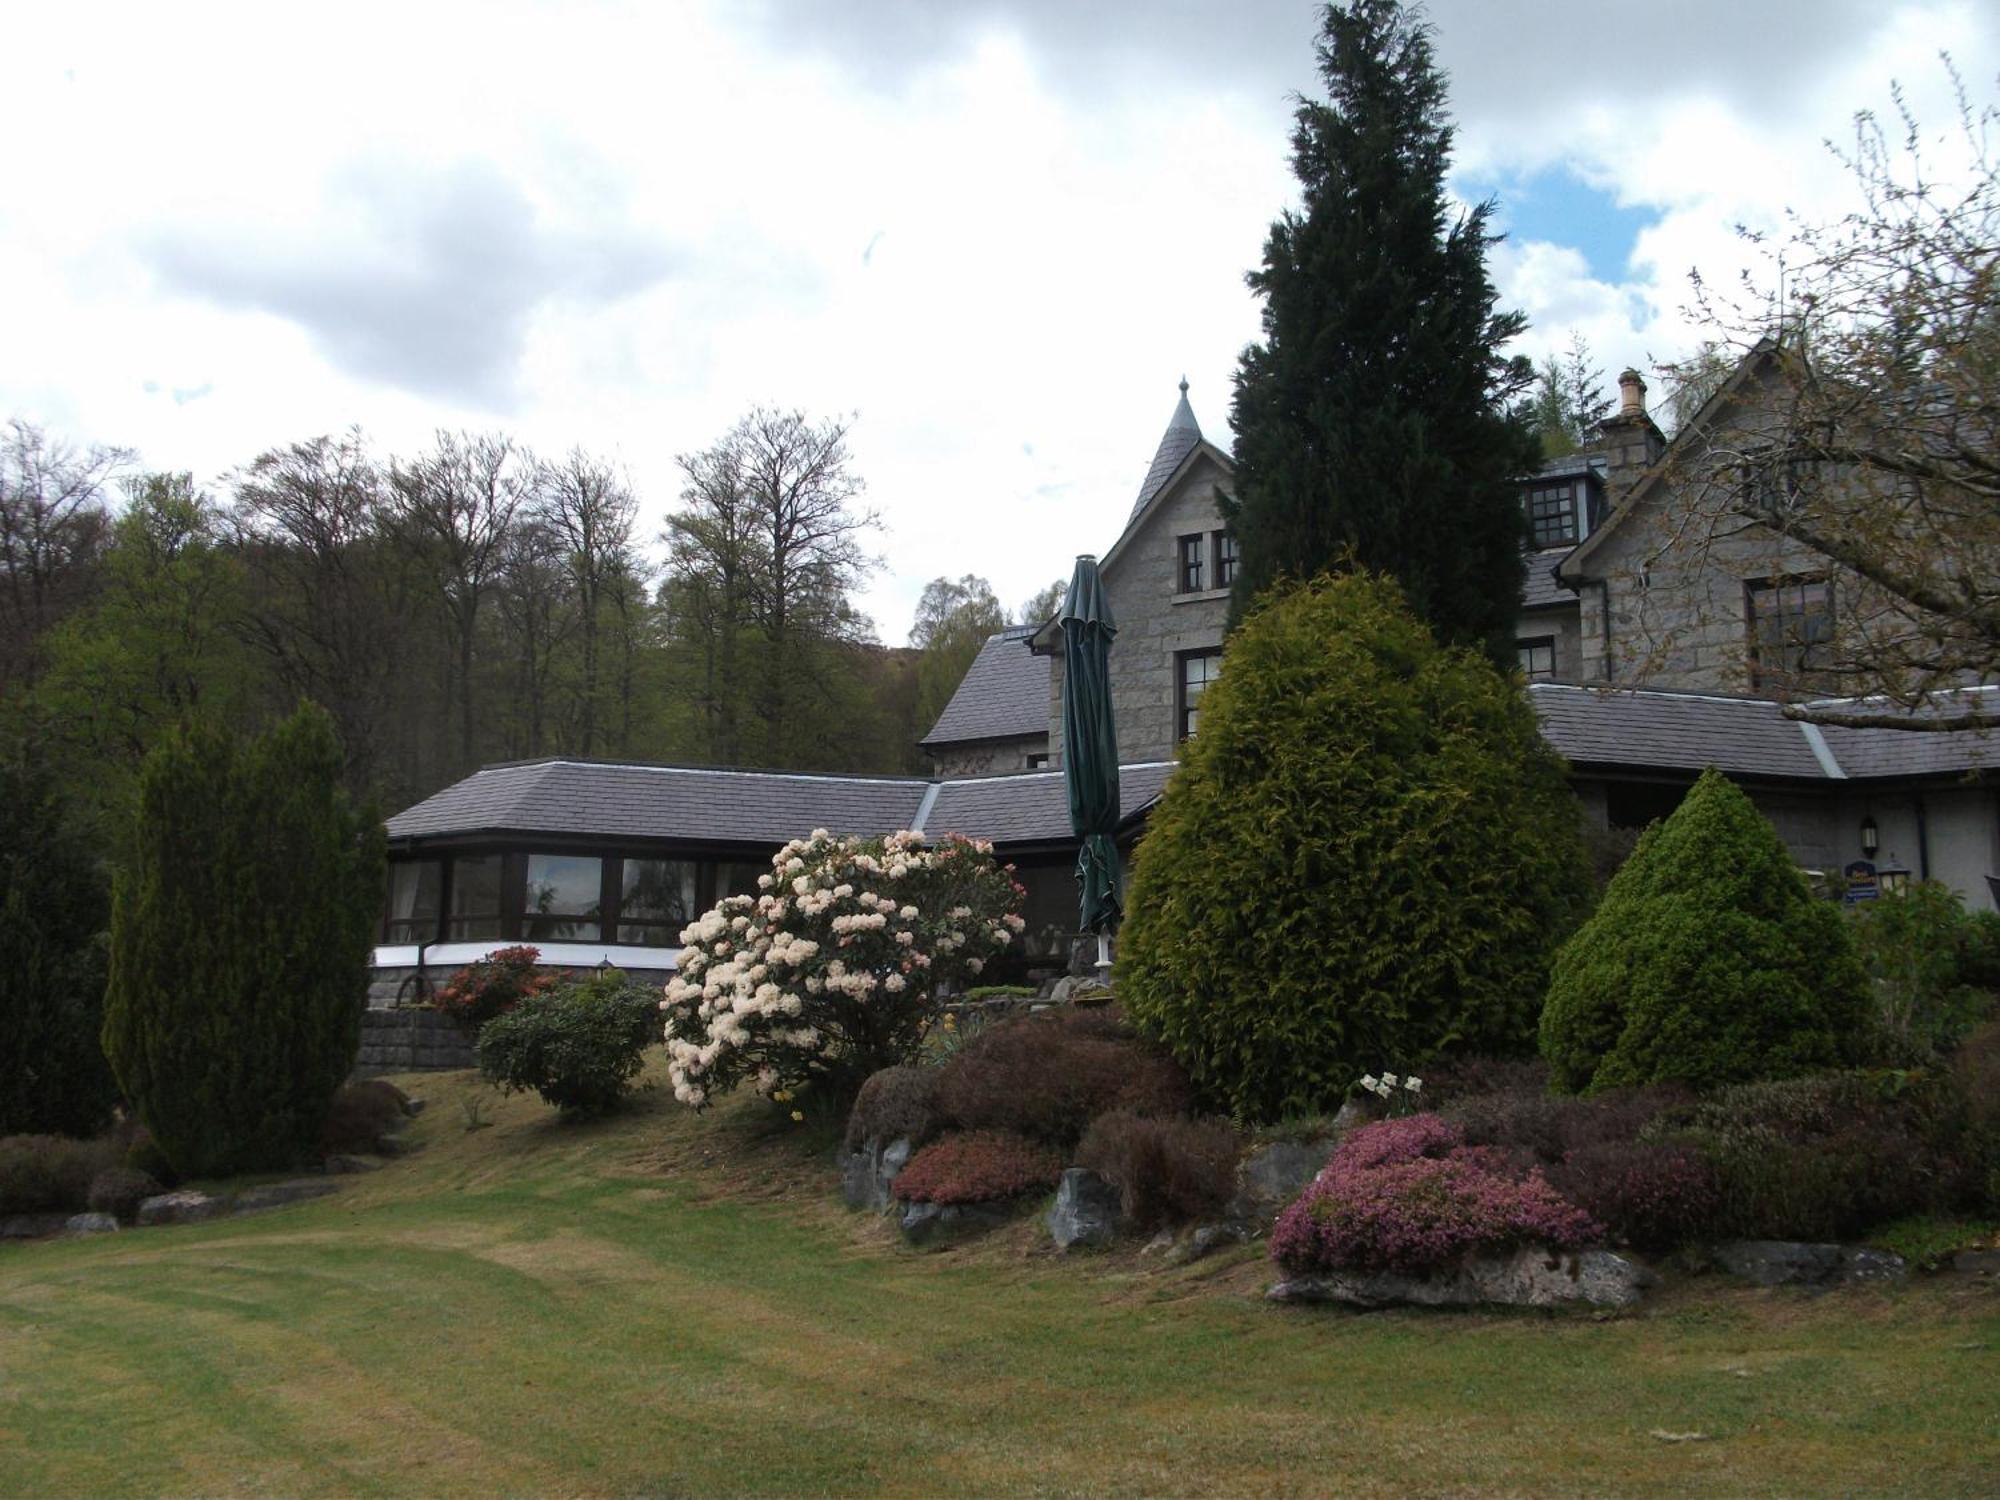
<point>666,1305</point>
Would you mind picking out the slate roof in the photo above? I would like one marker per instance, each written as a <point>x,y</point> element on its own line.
<point>1903,752</point>
<point>1182,436</point>
<point>1540,589</point>
<point>591,799</point>
<point>1674,731</point>
<point>1004,694</point>
<point>1033,808</point>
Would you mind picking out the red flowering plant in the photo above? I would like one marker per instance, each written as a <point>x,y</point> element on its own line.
<point>1410,1196</point>
<point>978,1166</point>
<point>493,986</point>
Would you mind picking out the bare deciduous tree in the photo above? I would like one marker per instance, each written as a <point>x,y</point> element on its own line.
<point>53,523</point>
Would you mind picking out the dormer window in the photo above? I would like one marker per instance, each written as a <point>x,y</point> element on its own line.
<point>1553,511</point>
<point>1225,560</point>
<point>1193,550</point>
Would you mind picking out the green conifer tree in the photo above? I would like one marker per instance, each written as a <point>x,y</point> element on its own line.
<point>240,938</point>
<point>1708,962</point>
<point>1378,424</point>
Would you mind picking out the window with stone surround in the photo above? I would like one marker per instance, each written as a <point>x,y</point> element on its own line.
<point>1188,577</point>
<point>1538,657</point>
<point>1193,672</point>
<point>1791,633</point>
<point>1552,513</point>
<point>1225,560</point>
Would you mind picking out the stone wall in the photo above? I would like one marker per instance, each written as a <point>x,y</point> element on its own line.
<point>991,758</point>
<point>411,1041</point>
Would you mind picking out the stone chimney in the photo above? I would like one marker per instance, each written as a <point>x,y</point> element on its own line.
<point>1628,444</point>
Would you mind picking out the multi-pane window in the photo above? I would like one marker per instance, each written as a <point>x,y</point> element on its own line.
<point>656,898</point>
<point>1552,513</point>
<point>1538,657</point>
<point>565,899</point>
<point>1197,670</point>
<point>475,897</point>
<point>1791,632</point>
<point>414,888</point>
<point>1193,551</point>
<point>1225,559</point>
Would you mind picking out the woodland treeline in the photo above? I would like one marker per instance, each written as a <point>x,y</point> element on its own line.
<point>469,603</point>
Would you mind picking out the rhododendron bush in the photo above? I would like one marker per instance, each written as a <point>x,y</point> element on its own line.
<point>1409,1195</point>
<point>833,970</point>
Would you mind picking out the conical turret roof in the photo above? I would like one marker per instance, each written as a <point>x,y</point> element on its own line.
<point>1182,435</point>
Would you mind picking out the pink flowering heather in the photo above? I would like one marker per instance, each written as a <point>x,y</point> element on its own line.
<point>1405,1196</point>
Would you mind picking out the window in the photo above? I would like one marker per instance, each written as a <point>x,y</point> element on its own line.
<point>1039,761</point>
<point>414,888</point>
<point>1225,560</point>
<point>1791,632</point>
<point>1538,657</point>
<point>1192,548</point>
<point>565,899</point>
<point>1197,670</point>
<point>656,897</point>
<point>475,897</point>
<point>1552,513</point>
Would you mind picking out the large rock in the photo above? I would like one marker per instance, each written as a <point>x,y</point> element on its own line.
<point>90,1224</point>
<point>1270,1177</point>
<point>866,1175</point>
<point>1977,1262</point>
<point>1794,1263</point>
<point>1087,1210</point>
<point>278,1194</point>
<point>1205,1241</point>
<point>934,1224</point>
<point>184,1207</point>
<point>31,1226</point>
<point>1527,1278</point>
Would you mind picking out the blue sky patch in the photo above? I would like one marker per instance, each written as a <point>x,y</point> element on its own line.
<point>1558,206</point>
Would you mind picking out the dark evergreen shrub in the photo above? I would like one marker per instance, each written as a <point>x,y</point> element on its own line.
<point>119,1191</point>
<point>579,1045</point>
<point>360,1114</point>
<point>898,1103</point>
<point>1975,1075</point>
<point>1167,1171</point>
<point>54,904</point>
<point>1365,858</point>
<point>51,1173</point>
<point>240,940</point>
<point>1048,1075</point>
<point>1709,962</point>
<point>978,1166</point>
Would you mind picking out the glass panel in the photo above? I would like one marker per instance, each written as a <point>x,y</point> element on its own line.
<point>413,901</point>
<point>1552,514</point>
<point>475,897</point>
<point>1791,623</point>
<point>1538,657</point>
<point>1225,559</point>
<point>1191,549</point>
<point>1197,672</point>
<point>565,898</point>
<point>656,900</point>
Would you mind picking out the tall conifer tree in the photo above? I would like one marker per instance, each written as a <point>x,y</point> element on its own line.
<point>1378,424</point>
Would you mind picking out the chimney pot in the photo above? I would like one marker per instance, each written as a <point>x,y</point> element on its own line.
<point>1632,395</point>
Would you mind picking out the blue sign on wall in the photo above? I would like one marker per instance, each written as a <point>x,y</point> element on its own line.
<point>1861,882</point>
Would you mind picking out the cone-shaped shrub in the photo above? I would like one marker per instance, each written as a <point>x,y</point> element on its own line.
<point>1366,856</point>
<point>1708,962</point>
<point>240,937</point>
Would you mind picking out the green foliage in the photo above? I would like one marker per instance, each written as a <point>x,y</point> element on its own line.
<point>1930,961</point>
<point>54,901</point>
<point>1368,852</point>
<point>579,1045</point>
<point>954,618</point>
<point>1708,962</point>
<point>1376,419</point>
<point>240,942</point>
<point>1569,399</point>
<point>1927,1241</point>
<point>51,1173</point>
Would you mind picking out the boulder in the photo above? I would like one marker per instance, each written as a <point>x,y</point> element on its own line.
<point>278,1194</point>
<point>866,1175</point>
<point>1527,1278</point>
<point>184,1207</point>
<point>1205,1241</point>
<point>1795,1263</point>
<point>934,1224</point>
<point>1270,1177</point>
<point>1087,1210</point>
<point>1977,1262</point>
<point>31,1226</point>
<point>91,1224</point>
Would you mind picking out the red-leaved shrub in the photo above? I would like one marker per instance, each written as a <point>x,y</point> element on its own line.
<point>1651,1196</point>
<point>977,1167</point>
<point>493,986</point>
<point>1166,1171</point>
<point>1048,1075</point>
<point>1408,1196</point>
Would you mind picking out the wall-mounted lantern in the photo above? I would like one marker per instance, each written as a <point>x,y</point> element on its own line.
<point>1895,879</point>
<point>1871,836</point>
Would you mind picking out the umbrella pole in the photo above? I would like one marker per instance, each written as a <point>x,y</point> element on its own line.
<point>1103,959</point>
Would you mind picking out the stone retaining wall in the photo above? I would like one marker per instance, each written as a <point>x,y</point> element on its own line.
<point>410,1041</point>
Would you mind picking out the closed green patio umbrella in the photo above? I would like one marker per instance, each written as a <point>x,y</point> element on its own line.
<point>1090,752</point>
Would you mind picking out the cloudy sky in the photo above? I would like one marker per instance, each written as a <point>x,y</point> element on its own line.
<point>997,232</point>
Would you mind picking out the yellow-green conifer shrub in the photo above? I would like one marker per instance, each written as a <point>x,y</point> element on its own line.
<point>1365,858</point>
<point>240,938</point>
<point>1708,962</point>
